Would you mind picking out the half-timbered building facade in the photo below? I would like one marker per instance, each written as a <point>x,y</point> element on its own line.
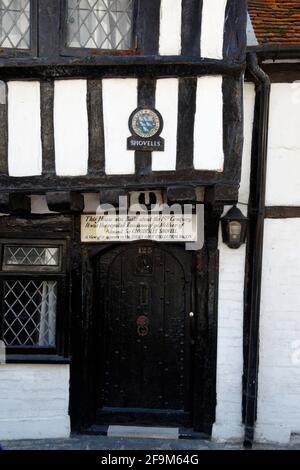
<point>145,332</point>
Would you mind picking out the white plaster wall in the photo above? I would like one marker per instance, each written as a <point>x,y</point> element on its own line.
<point>283,172</point>
<point>39,205</point>
<point>208,132</point>
<point>249,104</point>
<point>91,203</point>
<point>170,27</point>
<point>34,401</point>
<point>24,129</point>
<point>119,101</point>
<point>279,368</point>
<point>71,127</point>
<point>166,102</point>
<point>212,28</point>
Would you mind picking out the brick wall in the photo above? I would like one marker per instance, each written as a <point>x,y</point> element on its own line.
<point>228,424</point>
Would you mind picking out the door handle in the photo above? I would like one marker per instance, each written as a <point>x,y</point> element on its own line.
<point>192,327</point>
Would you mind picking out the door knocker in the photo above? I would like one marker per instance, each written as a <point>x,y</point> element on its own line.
<point>142,325</point>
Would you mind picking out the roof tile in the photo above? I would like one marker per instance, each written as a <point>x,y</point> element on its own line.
<point>276,21</point>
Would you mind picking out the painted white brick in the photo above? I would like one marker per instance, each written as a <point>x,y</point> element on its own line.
<point>34,401</point>
<point>279,370</point>
<point>52,428</point>
<point>228,425</point>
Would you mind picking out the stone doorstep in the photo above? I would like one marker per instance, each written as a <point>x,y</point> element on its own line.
<point>143,432</point>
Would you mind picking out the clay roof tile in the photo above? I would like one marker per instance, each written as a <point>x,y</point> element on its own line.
<point>275,21</point>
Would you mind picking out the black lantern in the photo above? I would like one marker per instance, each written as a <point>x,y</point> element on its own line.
<point>234,228</point>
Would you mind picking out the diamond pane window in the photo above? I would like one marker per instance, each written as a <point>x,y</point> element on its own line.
<point>31,256</point>
<point>15,24</point>
<point>100,24</point>
<point>30,313</point>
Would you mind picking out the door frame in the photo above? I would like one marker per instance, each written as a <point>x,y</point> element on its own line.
<point>205,275</point>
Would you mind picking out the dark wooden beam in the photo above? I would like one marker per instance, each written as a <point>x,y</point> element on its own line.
<point>147,28</point>
<point>233,123</point>
<point>235,37</point>
<point>65,201</point>
<point>47,127</point>
<point>4,203</point>
<point>181,194</point>
<point>226,194</point>
<point>146,99</point>
<point>96,127</point>
<point>282,73</point>
<point>19,204</point>
<point>32,225</point>
<point>49,27</point>
<point>282,212</point>
<point>42,184</point>
<point>186,120</point>
<point>191,27</point>
<point>114,66</point>
<point>110,196</point>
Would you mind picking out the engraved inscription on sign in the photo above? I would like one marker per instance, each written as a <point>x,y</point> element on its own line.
<point>126,228</point>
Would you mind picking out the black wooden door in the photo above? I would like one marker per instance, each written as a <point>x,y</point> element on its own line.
<point>145,295</point>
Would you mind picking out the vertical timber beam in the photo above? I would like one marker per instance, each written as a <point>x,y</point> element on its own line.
<point>96,163</point>
<point>77,413</point>
<point>47,127</point>
<point>146,99</point>
<point>205,348</point>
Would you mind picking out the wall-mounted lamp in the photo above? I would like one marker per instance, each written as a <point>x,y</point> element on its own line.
<point>234,228</point>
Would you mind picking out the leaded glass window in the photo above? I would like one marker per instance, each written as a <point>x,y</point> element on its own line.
<point>30,313</point>
<point>100,24</point>
<point>33,296</point>
<point>31,256</point>
<point>15,24</point>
